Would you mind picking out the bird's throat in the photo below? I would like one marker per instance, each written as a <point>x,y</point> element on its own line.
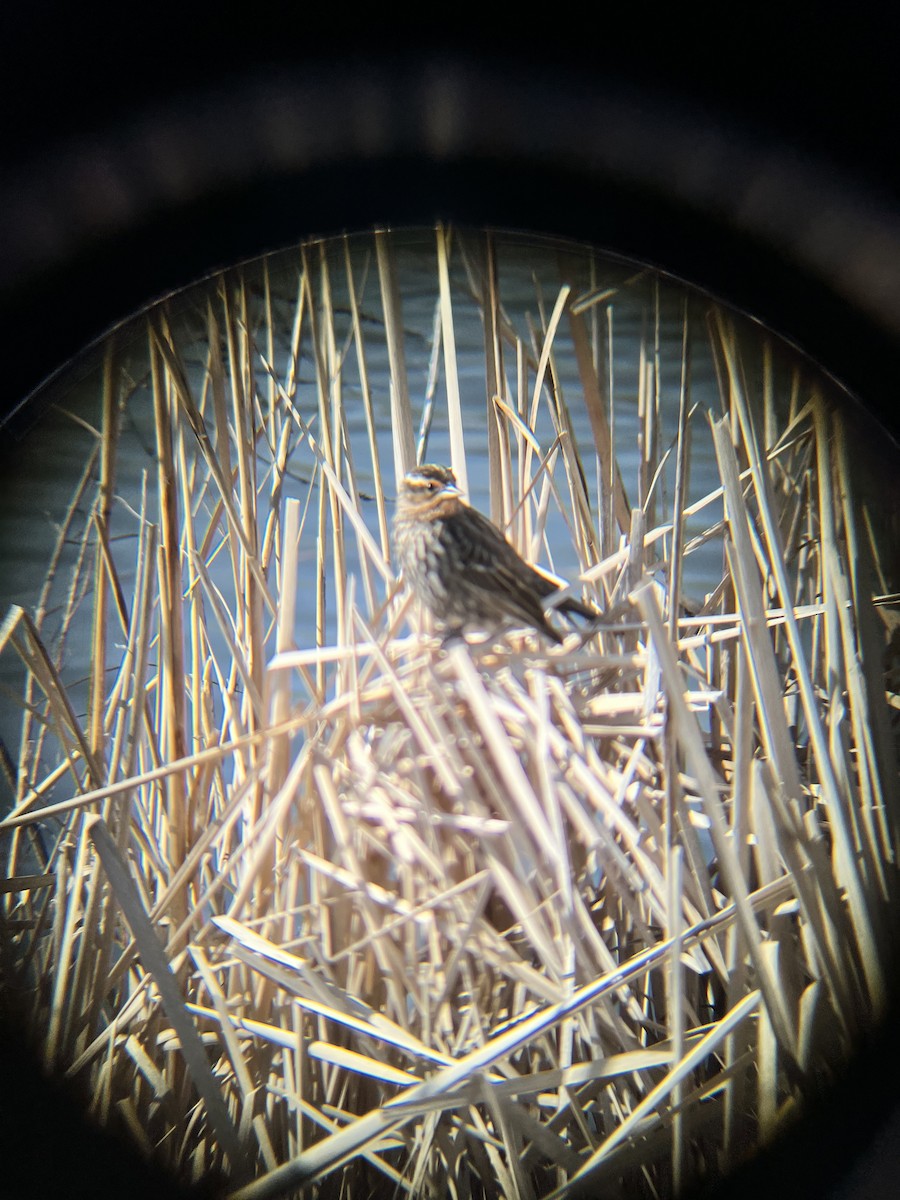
<point>435,508</point>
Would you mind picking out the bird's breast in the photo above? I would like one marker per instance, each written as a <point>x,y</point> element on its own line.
<point>422,556</point>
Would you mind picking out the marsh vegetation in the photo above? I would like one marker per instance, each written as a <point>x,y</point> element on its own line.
<point>296,895</point>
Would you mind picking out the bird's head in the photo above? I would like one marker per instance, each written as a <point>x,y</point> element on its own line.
<point>429,490</point>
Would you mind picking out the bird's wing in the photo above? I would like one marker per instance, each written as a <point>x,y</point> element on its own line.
<point>480,547</point>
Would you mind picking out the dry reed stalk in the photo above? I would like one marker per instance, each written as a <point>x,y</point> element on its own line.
<point>366,392</point>
<point>448,339</point>
<point>249,653</point>
<point>584,537</point>
<point>108,444</point>
<point>401,413</point>
<point>505,917</point>
<point>496,384</point>
<point>171,716</point>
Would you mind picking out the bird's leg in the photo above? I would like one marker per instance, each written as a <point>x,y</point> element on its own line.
<point>451,635</point>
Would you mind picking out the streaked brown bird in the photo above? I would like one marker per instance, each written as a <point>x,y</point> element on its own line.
<point>461,567</point>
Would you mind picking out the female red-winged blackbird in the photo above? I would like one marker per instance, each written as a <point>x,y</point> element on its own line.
<point>460,565</point>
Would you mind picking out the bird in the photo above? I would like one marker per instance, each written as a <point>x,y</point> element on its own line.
<point>461,567</point>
